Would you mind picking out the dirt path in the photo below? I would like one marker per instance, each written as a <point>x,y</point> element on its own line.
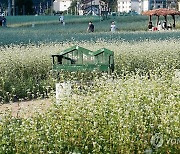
<point>26,109</point>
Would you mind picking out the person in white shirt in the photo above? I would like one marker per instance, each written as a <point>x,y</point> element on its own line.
<point>61,18</point>
<point>113,27</point>
<point>169,26</point>
<point>159,26</point>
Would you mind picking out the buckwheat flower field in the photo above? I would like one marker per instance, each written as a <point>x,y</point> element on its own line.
<point>133,110</point>
<point>117,114</point>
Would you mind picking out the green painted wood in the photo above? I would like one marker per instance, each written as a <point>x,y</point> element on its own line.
<point>80,59</point>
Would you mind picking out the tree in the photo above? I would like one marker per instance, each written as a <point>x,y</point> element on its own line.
<point>178,1</point>
<point>28,7</point>
<point>4,2</point>
<point>73,7</point>
<point>112,4</point>
<point>24,7</point>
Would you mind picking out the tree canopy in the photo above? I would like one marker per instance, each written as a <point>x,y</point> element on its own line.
<point>112,4</point>
<point>24,7</point>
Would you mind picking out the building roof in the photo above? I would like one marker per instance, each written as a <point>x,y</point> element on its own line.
<point>85,51</point>
<point>161,12</point>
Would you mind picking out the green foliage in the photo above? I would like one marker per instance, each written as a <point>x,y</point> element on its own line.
<point>25,7</point>
<point>112,4</point>
<point>4,2</point>
<point>73,7</point>
<point>48,29</point>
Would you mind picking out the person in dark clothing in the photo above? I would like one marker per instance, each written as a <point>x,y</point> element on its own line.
<point>150,26</point>
<point>1,19</point>
<point>90,27</point>
<point>164,25</point>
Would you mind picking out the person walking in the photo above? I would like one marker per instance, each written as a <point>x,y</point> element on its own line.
<point>150,26</point>
<point>113,27</point>
<point>159,27</point>
<point>164,25</point>
<point>3,21</point>
<point>90,27</point>
<point>61,19</point>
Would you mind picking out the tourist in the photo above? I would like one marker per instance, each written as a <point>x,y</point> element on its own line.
<point>61,19</point>
<point>150,26</point>
<point>90,27</point>
<point>159,27</point>
<point>113,27</point>
<point>164,25</point>
<point>3,21</point>
<point>169,27</point>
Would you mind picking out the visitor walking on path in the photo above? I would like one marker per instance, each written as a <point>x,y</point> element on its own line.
<point>61,19</point>
<point>159,26</point>
<point>3,21</point>
<point>113,27</point>
<point>150,26</point>
<point>90,27</point>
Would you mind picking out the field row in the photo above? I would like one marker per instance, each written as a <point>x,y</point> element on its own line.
<point>48,29</point>
<point>26,70</point>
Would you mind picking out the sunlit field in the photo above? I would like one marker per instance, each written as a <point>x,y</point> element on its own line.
<point>118,113</point>
<point>47,29</point>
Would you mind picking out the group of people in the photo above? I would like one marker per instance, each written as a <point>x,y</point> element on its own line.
<point>160,26</point>
<point>2,20</point>
<point>91,27</point>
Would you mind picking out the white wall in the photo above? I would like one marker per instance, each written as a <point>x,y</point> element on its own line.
<point>94,2</point>
<point>135,6</point>
<point>124,5</point>
<point>56,6</point>
<point>61,5</point>
<point>145,5</point>
<point>129,5</point>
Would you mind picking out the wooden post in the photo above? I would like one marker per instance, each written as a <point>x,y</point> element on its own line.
<point>174,21</point>
<point>157,20</point>
<point>165,18</point>
<point>150,18</point>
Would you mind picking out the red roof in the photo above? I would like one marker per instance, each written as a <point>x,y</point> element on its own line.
<point>161,11</point>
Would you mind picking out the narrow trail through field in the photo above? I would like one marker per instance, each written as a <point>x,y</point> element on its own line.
<point>27,108</point>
